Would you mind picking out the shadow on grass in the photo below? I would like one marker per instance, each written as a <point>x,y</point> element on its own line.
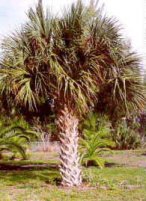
<point>143,154</point>
<point>33,174</point>
<point>112,164</point>
<point>31,167</point>
<point>28,172</point>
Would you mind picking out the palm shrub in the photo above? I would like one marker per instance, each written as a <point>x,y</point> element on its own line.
<point>69,59</point>
<point>140,120</point>
<point>126,136</point>
<point>96,139</point>
<point>15,139</point>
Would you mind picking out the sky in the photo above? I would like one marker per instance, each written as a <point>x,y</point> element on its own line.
<point>130,13</point>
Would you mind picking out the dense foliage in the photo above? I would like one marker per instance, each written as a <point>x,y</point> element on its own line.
<point>73,60</point>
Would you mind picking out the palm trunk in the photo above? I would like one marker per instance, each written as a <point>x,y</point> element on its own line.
<point>70,162</point>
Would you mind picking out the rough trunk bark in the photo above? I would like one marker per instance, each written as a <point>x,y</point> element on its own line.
<point>70,162</point>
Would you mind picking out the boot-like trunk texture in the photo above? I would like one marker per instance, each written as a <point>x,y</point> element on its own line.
<point>70,162</point>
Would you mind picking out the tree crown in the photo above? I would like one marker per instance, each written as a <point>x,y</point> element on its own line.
<point>70,59</point>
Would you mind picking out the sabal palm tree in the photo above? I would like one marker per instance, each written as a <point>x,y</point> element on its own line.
<point>67,59</point>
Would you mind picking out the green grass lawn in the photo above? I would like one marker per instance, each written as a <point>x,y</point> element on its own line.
<point>38,180</point>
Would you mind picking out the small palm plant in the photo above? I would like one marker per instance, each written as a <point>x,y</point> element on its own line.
<point>96,139</point>
<point>15,140</point>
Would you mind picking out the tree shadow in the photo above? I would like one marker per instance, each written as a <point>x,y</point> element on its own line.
<point>143,154</point>
<point>28,167</point>
<point>16,174</point>
<point>112,164</point>
<point>106,165</point>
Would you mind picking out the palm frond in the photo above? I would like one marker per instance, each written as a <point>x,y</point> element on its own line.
<point>72,59</point>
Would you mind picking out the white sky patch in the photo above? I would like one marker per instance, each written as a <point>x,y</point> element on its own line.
<point>130,13</point>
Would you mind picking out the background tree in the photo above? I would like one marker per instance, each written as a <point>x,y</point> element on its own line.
<point>68,60</point>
